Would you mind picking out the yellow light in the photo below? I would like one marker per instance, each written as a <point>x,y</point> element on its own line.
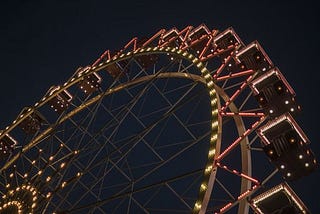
<point>198,205</point>
<point>214,124</point>
<point>199,64</point>
<point>209,84</point>
<point>207,76</point>
<point>214,112</point>
<point>203,187</point>
<point>214,102</point>
<point>212,92</point>
<point>214,137</point>
<point>208,169</point>
<point>63,184</point>
<point>212,152</point>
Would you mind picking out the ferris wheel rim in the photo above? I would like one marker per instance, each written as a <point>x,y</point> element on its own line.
<point>183,55</point>
<point>194,77</point>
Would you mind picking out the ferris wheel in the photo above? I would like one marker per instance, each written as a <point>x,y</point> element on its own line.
<point>184,121</point>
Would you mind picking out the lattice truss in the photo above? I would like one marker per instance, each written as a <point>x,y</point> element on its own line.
<point>189,120</point>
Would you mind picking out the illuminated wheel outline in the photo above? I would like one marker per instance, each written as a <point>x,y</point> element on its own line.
<point>218,113</point>
<point>190,57</point>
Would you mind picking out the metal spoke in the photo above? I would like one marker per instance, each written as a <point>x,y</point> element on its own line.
<point>225,189</point>
<point>121,195</point>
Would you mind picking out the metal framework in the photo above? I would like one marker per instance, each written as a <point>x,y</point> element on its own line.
<point>167,124</point>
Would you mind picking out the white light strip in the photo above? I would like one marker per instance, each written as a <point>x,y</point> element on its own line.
<point>224,33</point>
<point>281,187</point>
<point>200,27</point>
<point>278,120</point>
<point>263,77</point>
<point>243,50</point>
<point>11,138</point>
<point>172,31</point>
<point>53,89</point>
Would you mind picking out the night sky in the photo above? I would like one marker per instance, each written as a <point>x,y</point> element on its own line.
<point>42,44</point>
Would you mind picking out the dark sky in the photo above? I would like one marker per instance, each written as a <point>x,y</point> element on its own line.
<point>41,44</point>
